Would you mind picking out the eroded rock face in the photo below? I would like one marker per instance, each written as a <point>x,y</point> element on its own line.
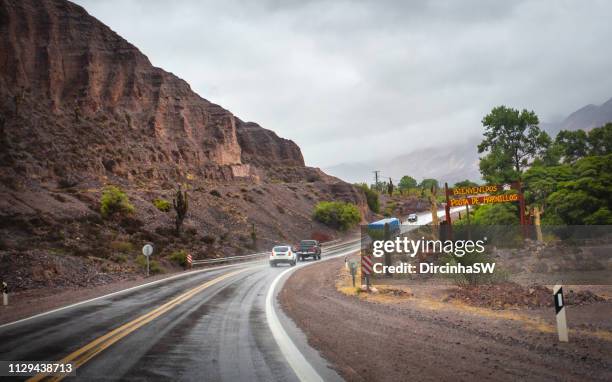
<point>81,108</point>
<point>263,147</point>
<point>73,90</point>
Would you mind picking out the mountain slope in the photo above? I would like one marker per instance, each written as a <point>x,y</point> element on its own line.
<point>585,118</point>
<point>81,108</point>
<point>450,163</point>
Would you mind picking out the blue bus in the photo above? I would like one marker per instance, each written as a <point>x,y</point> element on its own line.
<point>394,225</point>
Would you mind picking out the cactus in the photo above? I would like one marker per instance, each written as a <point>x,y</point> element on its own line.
<point>180,205</point>
<point>390,187</point>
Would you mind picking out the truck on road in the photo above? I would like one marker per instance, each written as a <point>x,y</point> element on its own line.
<point>308,248</point>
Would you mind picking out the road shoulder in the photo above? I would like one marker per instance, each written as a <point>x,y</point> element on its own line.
<point>371,340</point>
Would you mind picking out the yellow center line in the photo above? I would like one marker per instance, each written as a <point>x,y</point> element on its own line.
<point>87,352</point>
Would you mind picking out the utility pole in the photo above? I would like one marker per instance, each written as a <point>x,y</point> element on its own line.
<point>376,179</point>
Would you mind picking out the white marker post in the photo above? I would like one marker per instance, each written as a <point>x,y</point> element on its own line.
<point>147,250</point>
<point>4,294</point>
<point>560,310</point>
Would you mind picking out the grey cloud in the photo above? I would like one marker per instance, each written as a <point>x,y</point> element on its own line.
<point>355,80</point>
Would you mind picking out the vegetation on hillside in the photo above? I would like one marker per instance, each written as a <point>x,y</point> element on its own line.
<point>371,197</point>
<point>338,215</point>
<point>114,202</point>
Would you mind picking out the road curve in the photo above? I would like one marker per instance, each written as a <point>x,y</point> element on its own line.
<point>211,325</point>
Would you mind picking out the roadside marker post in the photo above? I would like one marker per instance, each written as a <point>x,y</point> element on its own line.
<point>4,294</point>
<point>147,251</point>
<point>560,313</point>
<point>189,261</point>
<point>366,268</point>
<point>353,267</point>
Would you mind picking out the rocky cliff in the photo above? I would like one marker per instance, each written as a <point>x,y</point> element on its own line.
<point>77,80</point>
<point>81,108</point>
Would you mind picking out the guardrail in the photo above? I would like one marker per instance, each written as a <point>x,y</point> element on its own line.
<point>254,255</point>
<point>229,258</point>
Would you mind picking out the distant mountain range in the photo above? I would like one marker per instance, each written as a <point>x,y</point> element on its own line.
<point>585,118</point>
<point>448,163</point>
<point>456,162</point>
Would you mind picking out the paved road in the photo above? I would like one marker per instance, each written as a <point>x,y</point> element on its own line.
<point>210,325</point>
<point>219,324</point>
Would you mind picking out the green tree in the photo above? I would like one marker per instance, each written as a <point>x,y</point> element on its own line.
<point>406,183</point>
<point>600,140</point>
<point>572,144</point>
<point>585,197</point>
<point>512,139</point>
<point>496,214</point>
<point>541,181</point>
<point>427,183</point>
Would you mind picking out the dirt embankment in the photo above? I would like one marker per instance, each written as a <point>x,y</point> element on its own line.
<point>391,338</point>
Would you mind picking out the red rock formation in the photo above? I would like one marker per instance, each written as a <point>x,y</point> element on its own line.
<point>101,101</point>
<point>80,108</point>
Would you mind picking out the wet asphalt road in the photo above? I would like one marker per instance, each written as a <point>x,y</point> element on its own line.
<point>219,334</point>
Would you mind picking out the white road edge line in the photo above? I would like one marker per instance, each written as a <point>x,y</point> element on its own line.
<point>180,275</point>
<point>302,368</point>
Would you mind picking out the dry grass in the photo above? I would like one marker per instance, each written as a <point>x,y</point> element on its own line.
<point>344,285</point>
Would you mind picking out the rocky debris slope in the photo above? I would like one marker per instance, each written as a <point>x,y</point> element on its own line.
<point>82,108</point>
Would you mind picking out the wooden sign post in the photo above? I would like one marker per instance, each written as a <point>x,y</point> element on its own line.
<point>486,194</point>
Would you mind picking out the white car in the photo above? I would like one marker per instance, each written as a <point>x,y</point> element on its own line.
<point>282,254</point>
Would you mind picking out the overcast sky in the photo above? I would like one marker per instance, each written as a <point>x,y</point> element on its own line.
<point>353,81</point>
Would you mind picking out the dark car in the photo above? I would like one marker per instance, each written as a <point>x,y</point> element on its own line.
<point>308,248</point>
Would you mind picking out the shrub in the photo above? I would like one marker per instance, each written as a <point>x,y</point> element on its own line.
<point>179,257</point>
<point>162,205</point>
<point>141,260</point>
<point>371,197</point>
<point>215,193</point>
<point>114,201</point>
<point>339,215</point>
<point>389,209</point>
<point>122,246</point>
<point>154,266</point>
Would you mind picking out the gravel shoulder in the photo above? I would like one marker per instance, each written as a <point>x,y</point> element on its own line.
<point>389,339</point>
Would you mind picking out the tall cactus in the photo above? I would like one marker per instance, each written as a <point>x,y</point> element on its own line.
<point>180,204</point>
<point>390,187</point>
